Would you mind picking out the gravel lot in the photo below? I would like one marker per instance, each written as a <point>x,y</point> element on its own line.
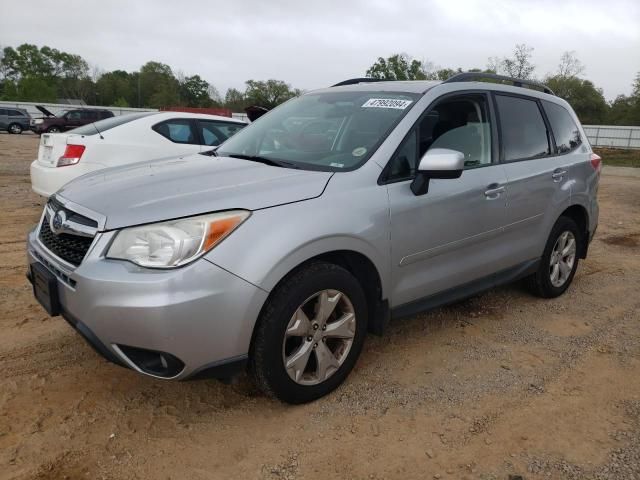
<point>501,384</point>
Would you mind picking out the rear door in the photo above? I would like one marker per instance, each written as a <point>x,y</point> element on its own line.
<point>452,235</point>
<point>538,183</point>
<point>4,120</point>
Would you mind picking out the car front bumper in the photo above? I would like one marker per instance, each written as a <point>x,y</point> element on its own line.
<point>199,314</point>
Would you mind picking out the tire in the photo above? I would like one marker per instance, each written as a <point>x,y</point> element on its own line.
<point>54,129</point>
<point>14,128</point>
<point>274,345</point>
<point>542,282</point>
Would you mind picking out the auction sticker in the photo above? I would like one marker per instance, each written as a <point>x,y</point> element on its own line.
<point>387,103</point>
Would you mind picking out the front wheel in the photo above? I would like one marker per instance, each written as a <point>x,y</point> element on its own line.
<point>559,261</point>
<point>310,333</point>
<point>53,129</point>
<point>15,128</point>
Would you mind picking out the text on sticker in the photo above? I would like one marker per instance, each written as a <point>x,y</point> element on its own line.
<point>387,103</point>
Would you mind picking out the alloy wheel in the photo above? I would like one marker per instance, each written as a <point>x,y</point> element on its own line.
<point>563,257</point>
<point>318,337</point>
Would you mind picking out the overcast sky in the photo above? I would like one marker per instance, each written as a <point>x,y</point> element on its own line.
<point>311,44</point>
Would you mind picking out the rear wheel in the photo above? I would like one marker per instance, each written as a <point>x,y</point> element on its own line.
<point>310,333</point>
<point>559,261</point>
<point>53,129</point>
<point>15,128</point>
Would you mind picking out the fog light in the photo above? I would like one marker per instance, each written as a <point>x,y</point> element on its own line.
<point>160,364</point>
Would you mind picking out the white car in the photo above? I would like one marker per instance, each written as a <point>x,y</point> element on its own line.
<point>123,140</point>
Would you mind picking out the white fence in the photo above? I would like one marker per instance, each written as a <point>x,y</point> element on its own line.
<point>56,108</point>
<point>613,136</point>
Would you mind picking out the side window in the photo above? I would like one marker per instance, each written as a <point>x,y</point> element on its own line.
<point>177,130</point>
<point>565,130</point>
<point>460,123</point>
<point>15,113</point>
<point>214,133</point>
<point>524,133</point>
<point>3,111</point>
<point>73,115</point>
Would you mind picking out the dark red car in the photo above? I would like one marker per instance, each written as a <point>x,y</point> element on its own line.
<point>66,120</point>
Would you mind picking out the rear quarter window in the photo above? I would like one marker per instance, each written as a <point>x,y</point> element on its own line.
<point>565,130</point>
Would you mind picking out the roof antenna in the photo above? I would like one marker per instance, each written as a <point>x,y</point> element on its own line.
<point>96,128</point>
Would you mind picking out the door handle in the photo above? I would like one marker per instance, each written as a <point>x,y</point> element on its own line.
<point>558,174</point>
<point>493,191</point>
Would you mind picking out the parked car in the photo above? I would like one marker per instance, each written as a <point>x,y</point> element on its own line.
<point>125,139</point>
<point>328,216</point>
<point>14,120</point>
<point>67,120</point>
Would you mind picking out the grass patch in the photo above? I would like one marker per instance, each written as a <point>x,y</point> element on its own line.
<point>619,157</point>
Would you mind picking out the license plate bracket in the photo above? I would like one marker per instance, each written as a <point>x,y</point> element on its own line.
<point>45,289</point>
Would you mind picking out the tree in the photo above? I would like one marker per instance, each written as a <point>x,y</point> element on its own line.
<point>625,110</point>
<point>569,65</point>
<point>587,100</point>
<point>158,86</point>
<point>194,91</point>
<point>234,100</point>
<point>518,66</point>
<point>112,88</point>
<point>398,67</point>
<point>269,93</point>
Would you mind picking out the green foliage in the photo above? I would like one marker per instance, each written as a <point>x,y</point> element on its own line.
<point>158,86</point>
<point>117,86</point>
<point>269,93</point>
<point>195,92</point>
<point>625,110</point>
<point>587,100</point>
<point>29,90</point>
<point>397,67</point>
<point>235,100</point>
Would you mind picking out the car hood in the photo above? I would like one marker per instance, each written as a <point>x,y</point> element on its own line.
<point>46,112</point>
<point>179,187</point>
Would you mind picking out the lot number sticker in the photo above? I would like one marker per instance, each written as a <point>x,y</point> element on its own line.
<point>387,103</point>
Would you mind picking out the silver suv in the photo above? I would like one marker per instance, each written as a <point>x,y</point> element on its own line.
<point>330,215</point>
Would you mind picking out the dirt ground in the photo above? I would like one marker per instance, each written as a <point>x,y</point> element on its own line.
<point>502,384</point>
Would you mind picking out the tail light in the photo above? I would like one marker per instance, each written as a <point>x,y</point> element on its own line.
<point>596,162</point>
<point>72,155</point>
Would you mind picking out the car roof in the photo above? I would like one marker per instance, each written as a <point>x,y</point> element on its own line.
<point>407,86</point>
<point>205,116</point>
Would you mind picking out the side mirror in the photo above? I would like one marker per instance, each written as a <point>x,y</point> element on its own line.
<point>437,163</point>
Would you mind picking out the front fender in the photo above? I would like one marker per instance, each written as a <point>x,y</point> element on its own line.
<point>274,241</point>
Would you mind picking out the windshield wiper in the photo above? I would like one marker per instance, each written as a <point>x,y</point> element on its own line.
<point>210,153</point>
<point>264,160</point>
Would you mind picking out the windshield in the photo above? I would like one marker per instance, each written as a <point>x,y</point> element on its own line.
<point>331,131</point>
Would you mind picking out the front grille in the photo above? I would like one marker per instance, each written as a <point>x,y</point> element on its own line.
<point>70,248</point>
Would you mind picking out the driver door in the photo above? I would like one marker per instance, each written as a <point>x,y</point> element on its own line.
<point>452,234</point>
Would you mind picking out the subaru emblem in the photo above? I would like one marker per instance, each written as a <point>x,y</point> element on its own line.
<point>57,222</point>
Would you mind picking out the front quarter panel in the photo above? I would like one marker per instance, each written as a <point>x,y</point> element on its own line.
<point>352,214</point>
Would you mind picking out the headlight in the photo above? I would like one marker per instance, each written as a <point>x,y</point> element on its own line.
<point>37,121</point>
<point>176,242</point>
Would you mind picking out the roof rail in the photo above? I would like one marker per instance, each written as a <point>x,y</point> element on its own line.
<point>353,81</point>
<point>517,82</point>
